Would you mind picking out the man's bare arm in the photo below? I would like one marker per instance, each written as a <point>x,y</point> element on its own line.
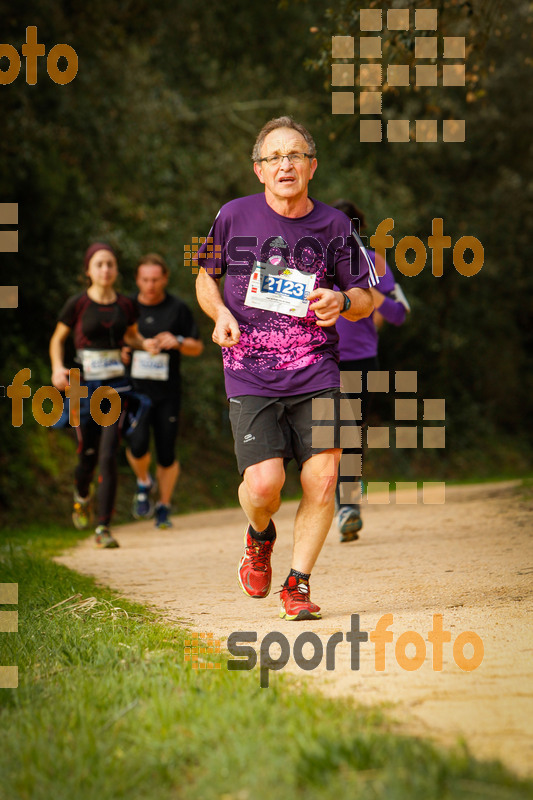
<point>327,305</point>
<point>226,332</point>
<point>185,344</point>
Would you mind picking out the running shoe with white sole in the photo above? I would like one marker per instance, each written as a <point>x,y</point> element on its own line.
<point>104,537</point>
<point>82,512</point>
<point>143,507</point>
<point>255,572</point>
<point>161,516</point>
<point>349,523</point>
<point>296,602</point>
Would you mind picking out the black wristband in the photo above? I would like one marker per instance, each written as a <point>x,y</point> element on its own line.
<point>347,302</point>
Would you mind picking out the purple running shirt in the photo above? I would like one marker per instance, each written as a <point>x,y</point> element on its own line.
<point>359,339</point>
<point>279,354</point>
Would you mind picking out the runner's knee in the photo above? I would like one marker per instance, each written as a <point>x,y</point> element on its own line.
<point>167,463</point>
<point>264,485</point>
<point>262,492</point>
<point>138,451</point>
<point>165,453</point>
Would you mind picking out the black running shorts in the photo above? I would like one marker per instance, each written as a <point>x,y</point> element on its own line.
<point>280,427</point>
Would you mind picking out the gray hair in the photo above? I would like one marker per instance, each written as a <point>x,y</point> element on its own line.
<point>281,122</point>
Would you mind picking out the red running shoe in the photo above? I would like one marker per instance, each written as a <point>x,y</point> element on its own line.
<point>296,602</point>
<point>255,572</point>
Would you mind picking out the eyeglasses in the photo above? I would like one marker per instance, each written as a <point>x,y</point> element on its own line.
<point>294,158</point>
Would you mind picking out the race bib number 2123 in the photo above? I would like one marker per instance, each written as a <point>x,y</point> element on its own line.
<point>276,287</point>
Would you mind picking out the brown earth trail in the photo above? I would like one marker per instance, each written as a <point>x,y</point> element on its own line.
<point>470,559</point>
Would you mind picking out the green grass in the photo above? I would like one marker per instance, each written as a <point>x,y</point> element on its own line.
<point>107,709</point>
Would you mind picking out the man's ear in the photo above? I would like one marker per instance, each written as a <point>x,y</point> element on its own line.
<point>258,169</point>
<point>313,166</point>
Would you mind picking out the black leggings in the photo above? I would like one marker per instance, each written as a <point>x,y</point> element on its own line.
<point>364,365</point>
<point>98,445</point>
<point>163,417</point>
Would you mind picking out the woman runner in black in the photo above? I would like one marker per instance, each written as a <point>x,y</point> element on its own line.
<point>100,320</point>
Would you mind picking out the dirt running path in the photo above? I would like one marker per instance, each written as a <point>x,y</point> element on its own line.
<point>470,560</point>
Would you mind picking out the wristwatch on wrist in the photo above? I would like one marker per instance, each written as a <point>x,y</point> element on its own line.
<point>180,340</point>
<point>347,303</point>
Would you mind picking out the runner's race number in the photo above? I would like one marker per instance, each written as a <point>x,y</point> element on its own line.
<point>283,285</point>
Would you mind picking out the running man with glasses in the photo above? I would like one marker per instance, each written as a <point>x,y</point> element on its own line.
<point>281,253</point>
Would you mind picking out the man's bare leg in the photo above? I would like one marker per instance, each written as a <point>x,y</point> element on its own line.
<point>260,498</point>
<point>166,479</point>
<point>260,491</point>
<point>140,466</point>
<point>316,509</point>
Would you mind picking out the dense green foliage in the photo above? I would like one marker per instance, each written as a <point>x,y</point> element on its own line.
<point>470,338</point>
<point>107,708</point>
<point>154,133</point>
